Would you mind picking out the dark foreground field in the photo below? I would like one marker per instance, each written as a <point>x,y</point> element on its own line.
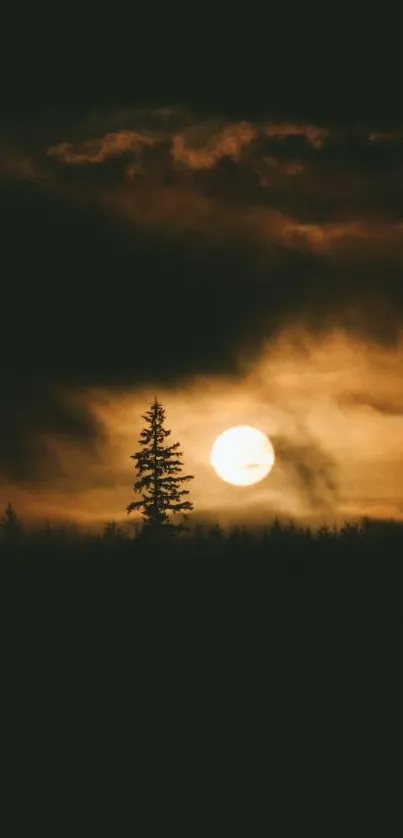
<point>251,680</point>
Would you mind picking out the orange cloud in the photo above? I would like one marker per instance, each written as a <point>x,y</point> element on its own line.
<point>96,151</point>
<point>375,235</point>
<point>189,151</point>
<point>314,135</point>
<point>228,142</point>
<point>322,236</point>
<point>180,208</point>
<point>197,147</point>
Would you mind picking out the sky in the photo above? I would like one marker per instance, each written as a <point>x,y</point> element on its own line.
<point>216,219</point>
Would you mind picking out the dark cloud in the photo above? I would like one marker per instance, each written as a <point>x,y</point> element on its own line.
<point>34,410</point>
<point>145,244</point>
<point>239,65</point>
<point>309,469</point>
<point>83,288</point>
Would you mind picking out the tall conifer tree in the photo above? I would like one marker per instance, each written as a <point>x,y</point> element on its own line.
<point>159,473</point>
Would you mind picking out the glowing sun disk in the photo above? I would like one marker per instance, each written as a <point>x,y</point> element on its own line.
<point>242,455</point>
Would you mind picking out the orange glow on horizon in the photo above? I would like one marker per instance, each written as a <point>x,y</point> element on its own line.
<point>331,407</point>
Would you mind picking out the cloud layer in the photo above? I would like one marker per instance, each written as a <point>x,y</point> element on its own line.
<point>149,246</point>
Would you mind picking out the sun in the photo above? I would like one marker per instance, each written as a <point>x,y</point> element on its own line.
<point>242,455</point>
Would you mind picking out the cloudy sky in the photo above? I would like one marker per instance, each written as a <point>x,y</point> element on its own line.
<point>217,223</point>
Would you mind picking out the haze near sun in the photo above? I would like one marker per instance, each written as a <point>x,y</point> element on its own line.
<point>242,455</point>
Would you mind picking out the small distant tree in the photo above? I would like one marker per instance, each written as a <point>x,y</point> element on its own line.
<point>111,531</point>
<point>159,474</point>
<point>10,523</point>
<point>324,533</point>
<point>276,530</point>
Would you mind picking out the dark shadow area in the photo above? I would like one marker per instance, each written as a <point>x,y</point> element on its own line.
<point>273,654</point>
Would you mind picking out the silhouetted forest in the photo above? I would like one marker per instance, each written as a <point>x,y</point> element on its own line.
<point>272,653</point>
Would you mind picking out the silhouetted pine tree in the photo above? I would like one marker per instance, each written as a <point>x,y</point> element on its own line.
<point>10,524</point>
<point>159,468</point>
